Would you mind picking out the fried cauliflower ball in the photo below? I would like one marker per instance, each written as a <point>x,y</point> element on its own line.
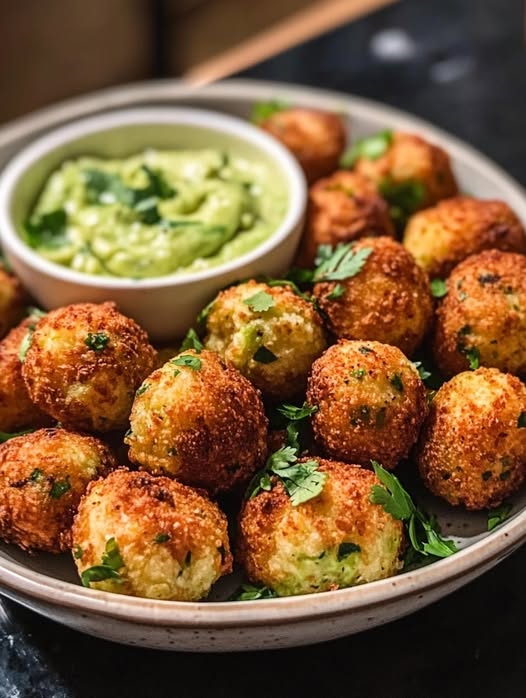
<point>200,421</point>
<point>270,334</point>
<point>472,449</point>
<point>342,208</point>
<point>85,363</point>
<point>149,536</point>
<point>441,237</point>
<point>316,138</point>
<point>17,411</point>
<point>335,540</point>
<point>371,403</point>
<point>409,158</point>
<point>388,300</point>
<point>42,478</point>
<point>482,319</point>
<point>12,301</point>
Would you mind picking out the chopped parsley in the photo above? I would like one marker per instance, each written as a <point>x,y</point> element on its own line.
<point>396,382</point>
<point>521,421</point>
<point>47,229</point>
<point>365,350</point>
<point>337,292</point>
<point>346,549</point>
<point>343,263</point>
<point>192,341</point>
<point>59,487</point>
<point>422,371</point>
<point>260,302</point>
<point>261,111</point>
<point>37,475</point>
<point>97,341</point>
<point>140,391</point>
<point>358,373</point>
<point>296,413</point>
<point>264,356</point>
<point>77,552</point>
<point>188,361</point>
<point>112,562</point>
<point>162,538</point>
<point>404,198</point>
<point>5,435</point>
<point>498,515</point>
<point>249,592</point>
<point>473,357</point>
<point>438,288</point>
<point>370,148</point>
<point>205,312</point>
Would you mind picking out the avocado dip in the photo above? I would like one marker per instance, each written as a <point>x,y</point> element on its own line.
<point>155,213</point>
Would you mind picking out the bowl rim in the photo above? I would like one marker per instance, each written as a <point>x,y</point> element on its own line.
<point>22,582</point>
<point>28,156</point>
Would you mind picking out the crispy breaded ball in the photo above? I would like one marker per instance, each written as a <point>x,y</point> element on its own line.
<point>12,301</point>
<point>441,237</point>
<point>316,138</point>
<point>472,449</point>
<point>17,411</point>
<point>342,208</point>
<point>269,333</point>
<point>159,538</point>
<point>335,540</point>
<point>42,478</point>
<point>388,300</point>
<point>482,319</point>
<point>84,364</point>
<point>410,158</point>
<point>200,421</point>
<point>371,403</point>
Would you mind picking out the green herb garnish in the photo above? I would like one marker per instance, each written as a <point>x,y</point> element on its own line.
<point>59,487</point>
<point>77,552</point>
<point>297,413</point>
<point>261,111</point>
<point>192,341</point>
<point>404,198</point>
<point>249,592</point>
<point>346,549</point>
<point>264,356</point>
<point>162,538</point>
<point>343,263</point>
<point>47,229</point>
<point>188,361</point>
<point>438,288</point>
<point>260,302</point>
<point>370,148</point>
<point>5,435</point>
<point>498,515</point>
<point>422,371</point>
<point>142,389</point>
<point>109,569</point>
<point>358,373</point>
<point>396,382</point>
<point>337,292</point>
<point>37,475</point>
<point>473,357</point>
<point>96,341</point>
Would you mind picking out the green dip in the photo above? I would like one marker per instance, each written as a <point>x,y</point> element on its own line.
<point>155,213</point>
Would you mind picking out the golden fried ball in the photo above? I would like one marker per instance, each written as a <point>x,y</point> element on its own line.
<point>342,208</point>
<point>270,334</point>
<point>335,540</point>
<point>441,237</point>
<point>17,411</point>
<point>12,301</point>
<point>472,449</point>
<point>159,538</point>
<point>85,363</point>
<point>316,138</point>
<point>199,420</point>
<point>371,403</point>
<point>388,300</point>
<point>42,478</point>
<point>482,319</point>
<point>410,158</point>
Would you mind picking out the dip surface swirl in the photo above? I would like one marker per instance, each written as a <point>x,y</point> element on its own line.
<point>155,213</point>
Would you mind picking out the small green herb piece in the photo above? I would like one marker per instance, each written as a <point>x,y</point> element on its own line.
<point>260,302</point>
<point>176,372</point>
<point>422,371</point>
<point>346,549</point>
<point>365,350</point>
<point>192,341</point>
<point>249,592</point>
<point>521,421</point>
<point>261,111</point>
<point>370,148</point>
<point>344,263</point>
<point>162,538</point>
<point>391,496</point>
<point>473,357</point>
<point>142,389</point>
<point>296,413</point>
<point>188,361</point>
<point>26,342</point>
<point>498,515</point>
<point>77,552</point>
<point>358,373</point>
<point>396,382</point>
<point>103,188</point>
<point>5,435</point>
<point>47,229</point>
<point>264,356</point>
<point>97,341</point>
<point>37,475</point>
<point>337,292</point>
<point>112,556</point>
<point>59,487</point>
<point>404,198</point>
<point>34,312</point>
<point>109,569</point>
<point>464,330</point>
<point>292,283</point>
<point>205,312</point>
<point>438,288</point>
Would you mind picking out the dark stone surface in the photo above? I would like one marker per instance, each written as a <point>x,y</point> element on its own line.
<point>466,73</point>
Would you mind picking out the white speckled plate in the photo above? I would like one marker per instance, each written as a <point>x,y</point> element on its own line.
<point>49,584</point>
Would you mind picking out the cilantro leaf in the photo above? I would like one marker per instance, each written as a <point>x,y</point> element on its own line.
<point>337,292</point>
<point>142,389</point>
<point>260,302</point>
<point>249,592</point>
<point>96,341</point>
<point>261,111</point>
<point>192,341</point>
<point>396,382</point>
<point>108,569</point>
<point>77,552</point>
<point>105,188</point>
<point>344,263</point>
<point>5,436</point>
<point>370,148</point>
<point>392,496</point>
<point>296,413</point>
<point>188,361</point>
<point>47,229</point>
<point>112,556</point>
<point>59,487</point>
<point>438,288</point>
<point>291,283</point>
<point>473,356</point>
<point>264,356</point>
<point>205,312</point>
<point>422,371</point>
<point>498,515</point>
<point>302,481</point>
<point>346,549</point>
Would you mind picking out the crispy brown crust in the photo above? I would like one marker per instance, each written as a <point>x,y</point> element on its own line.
<point>59,362</point>
<point>472,451</point>
<point>484,309</point>
<point>411,157</point>
<point>17,411</point>
<point>206,427</point>
<point>13,299</point>
<point>342,208</point>
<point>30,466</point>
<point>342,511</point>
<point>388,300</point>
<point>363,412</point>
<point>441,237</point>
<point>316,138</point>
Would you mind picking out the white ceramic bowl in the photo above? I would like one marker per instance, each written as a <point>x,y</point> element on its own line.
<point>49,584</point>
<point>165,306</point>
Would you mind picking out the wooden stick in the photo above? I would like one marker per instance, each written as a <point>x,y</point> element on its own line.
<point>321,17</point>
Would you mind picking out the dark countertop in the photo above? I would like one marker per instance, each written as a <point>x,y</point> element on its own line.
<point>462,65</point>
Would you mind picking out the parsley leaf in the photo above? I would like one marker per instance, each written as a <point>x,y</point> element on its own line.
<point>96,341</point>
<point>109,569</point>
<point>188,361</point>
<point>112,556</point>
<point>192,341</point>
<point>346,549</point>
<point>77,552</point>
<point>438,288</point>
<point>296,413</point>
<point>396,382</point>
<point>47,229</point>
<point>370,148</point>
<point>5,436</point>
<point>264,356</point>
<point>521,421</point>
<point>162,538</point>
<point>473,357</point>
<point>142,389</point>
<point>498,515</point>
<point>337,292</point>
<point>260,302</point>
<point>104,188</point>
<point>404,198</point>
<point>422,371</point>
<point>392,496</point>
<point>205,312</point>
<point>249,592</point>
<point>302,481</point>
<point>343,263</point>
<point>261,111</point>
<point>59,487</point>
